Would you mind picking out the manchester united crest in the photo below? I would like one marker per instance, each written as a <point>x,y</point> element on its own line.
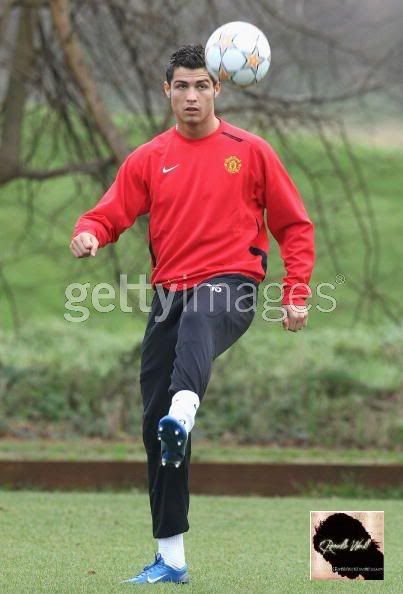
<point>232,164</point>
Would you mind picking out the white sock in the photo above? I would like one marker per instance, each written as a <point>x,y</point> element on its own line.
<point>172,551</point>
<point>184,406</point>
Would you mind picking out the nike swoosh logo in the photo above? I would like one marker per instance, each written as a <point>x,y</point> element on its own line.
<point>151,581</point>
<point>168,169</point>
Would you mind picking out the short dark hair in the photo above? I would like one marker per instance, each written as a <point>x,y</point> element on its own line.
<point>188,56</point>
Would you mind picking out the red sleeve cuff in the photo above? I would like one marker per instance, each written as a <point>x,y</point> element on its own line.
<point>294,301</point>
<point>296,294</point>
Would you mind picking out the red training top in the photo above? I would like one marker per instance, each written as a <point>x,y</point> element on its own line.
<point>206,199</point>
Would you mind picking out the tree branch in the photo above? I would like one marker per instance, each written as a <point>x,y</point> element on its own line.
<point>89,168</point>
<point>60,10</point>
<point>16,96</point>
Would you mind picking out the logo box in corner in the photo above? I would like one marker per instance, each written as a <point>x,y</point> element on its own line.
<point>347,545</point>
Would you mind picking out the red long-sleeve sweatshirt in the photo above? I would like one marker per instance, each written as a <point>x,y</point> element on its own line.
<point>206,199</point>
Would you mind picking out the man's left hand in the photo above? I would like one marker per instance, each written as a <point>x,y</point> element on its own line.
<point>296,317</point>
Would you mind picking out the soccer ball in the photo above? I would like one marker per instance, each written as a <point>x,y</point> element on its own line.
<point>238,52</point>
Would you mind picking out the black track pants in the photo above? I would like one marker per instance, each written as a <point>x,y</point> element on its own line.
<point>186,331</point>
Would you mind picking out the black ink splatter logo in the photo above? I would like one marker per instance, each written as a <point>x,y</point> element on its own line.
<point>347,545</point>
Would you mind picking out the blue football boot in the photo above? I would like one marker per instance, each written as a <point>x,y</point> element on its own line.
<point>158,572</point>
<point>173,437</point>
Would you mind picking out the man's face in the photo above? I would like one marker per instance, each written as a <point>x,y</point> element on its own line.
<point>192,95</point>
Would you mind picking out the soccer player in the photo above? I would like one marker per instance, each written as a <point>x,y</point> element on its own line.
<point>206,186</point>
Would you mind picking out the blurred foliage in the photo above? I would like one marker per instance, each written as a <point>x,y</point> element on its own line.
<point>266,388</point>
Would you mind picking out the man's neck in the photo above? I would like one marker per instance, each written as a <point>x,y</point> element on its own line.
<point>194,132</point>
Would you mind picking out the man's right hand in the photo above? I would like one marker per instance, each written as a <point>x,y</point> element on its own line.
<point>84,245</point>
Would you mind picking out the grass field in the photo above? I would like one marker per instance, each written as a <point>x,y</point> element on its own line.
<point>86,543</point>
<point>202,451</point>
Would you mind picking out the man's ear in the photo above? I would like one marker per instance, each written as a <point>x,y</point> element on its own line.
<point>167,89</point>
<point>217,89</point>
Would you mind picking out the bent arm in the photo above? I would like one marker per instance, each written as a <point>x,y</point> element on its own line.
<point>125,200</point>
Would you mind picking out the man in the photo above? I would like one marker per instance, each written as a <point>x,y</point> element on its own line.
<point>205,185</point>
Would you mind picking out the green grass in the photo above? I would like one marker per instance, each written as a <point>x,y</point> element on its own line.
<point>345,389</point>
<point>75,543</point>
<point>97,449</point>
